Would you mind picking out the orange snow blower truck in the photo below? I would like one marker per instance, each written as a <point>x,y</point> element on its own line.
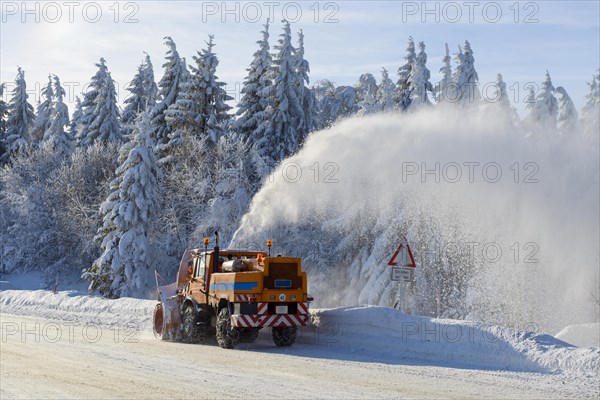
<point>235,293</point>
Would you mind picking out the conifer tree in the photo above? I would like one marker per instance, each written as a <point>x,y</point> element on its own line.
<point>568,117</point>
<point>20,116</point>
<point>88,105</point>
<point>3,117</point>
<point>256,93</point>
<point>44,111</point>
<point>76,117</point>
<point>280,136</point>
<point>445,92</point>
<point>56,136</point>
<point>366,92</point>
<point>419,80</point>
<point>500,105</point>
<point>126,235</point>
<point>402,86</point>
<point>105,125</point>
<point>545,110</point>
<point>385,92</point>
<point>308,119</point>
<point>200,109</point>
<point>143,91</point>
<point>465,78</point>
<point>169,88</point>
<point>590,114</point>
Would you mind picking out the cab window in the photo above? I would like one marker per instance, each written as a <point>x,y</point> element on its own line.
<point>200,267</point>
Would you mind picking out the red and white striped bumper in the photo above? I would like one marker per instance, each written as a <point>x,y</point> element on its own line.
<point>259,321</point>
<point>262,319</point>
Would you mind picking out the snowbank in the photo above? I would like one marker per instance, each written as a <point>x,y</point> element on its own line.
<point>381,332</point>
<point>582,335</point>
<point>385,331</point>
<point>76,307</point>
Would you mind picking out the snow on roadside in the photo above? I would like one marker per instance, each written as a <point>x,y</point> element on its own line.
<point>582,335</point>
<point>76,307</point>
<point>386,331</point>
<point>380,331</point>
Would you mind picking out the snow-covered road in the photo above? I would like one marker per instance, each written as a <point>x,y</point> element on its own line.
<point>51,346</point>
<point>99,363</point>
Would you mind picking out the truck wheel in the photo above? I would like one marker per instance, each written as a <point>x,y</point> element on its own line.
<point>284,336</point>
<point>191,331</point>
<point>249,335</point>
<point>159,325</point>
<point>227,336</point>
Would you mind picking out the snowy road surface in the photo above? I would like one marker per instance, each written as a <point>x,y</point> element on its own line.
<point>102,362</point>
<point>71,345</point>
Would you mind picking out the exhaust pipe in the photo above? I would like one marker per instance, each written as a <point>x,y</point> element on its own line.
<point>216,253</point>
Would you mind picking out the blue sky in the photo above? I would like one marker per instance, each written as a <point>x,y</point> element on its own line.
<point>343,40</point>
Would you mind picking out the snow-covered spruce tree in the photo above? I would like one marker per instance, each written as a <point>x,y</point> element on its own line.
<point>105,125</point>
<point>366,92</point>
<point>44,111</point>
<point>335,103</point>
<point>590,114</point>
<point>3,117</point>
<point>149,83</point>
<point>143,91</point>
<point>402,85</point>
<point>384,97</point>
<point>124,266</point>
<point>280,135</point>
<point>200,110</point>
<point>545,109</point>
<point>530,104</point>
<point>309,118</point>
<point>76,117</point>
<point>214,112</point>
<point>169,88</point>
<point>20,116</point>
<point>500,105</point>
<point>445,92</point>
<point>56,137</point>
<point>88,104</point>
<point>253,108</point>
<point>419,80</point>
<point>3,110</point>
<point>465,78</point>
<point>568,117</point>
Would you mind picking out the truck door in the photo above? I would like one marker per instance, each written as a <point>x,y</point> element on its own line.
<point>197,285</point>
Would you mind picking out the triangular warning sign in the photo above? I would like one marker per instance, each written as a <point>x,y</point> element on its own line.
<point>403,256</point>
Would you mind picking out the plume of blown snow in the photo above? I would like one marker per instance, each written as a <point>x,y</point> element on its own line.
<point>504,226</point>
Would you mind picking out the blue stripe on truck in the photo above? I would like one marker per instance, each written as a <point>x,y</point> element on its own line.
<point>231,287</point>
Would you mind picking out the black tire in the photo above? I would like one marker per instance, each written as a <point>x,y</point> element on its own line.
<point>191,329</point>
<point>284,336</point>
<point>249,335</point>
<point>227,336</point>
